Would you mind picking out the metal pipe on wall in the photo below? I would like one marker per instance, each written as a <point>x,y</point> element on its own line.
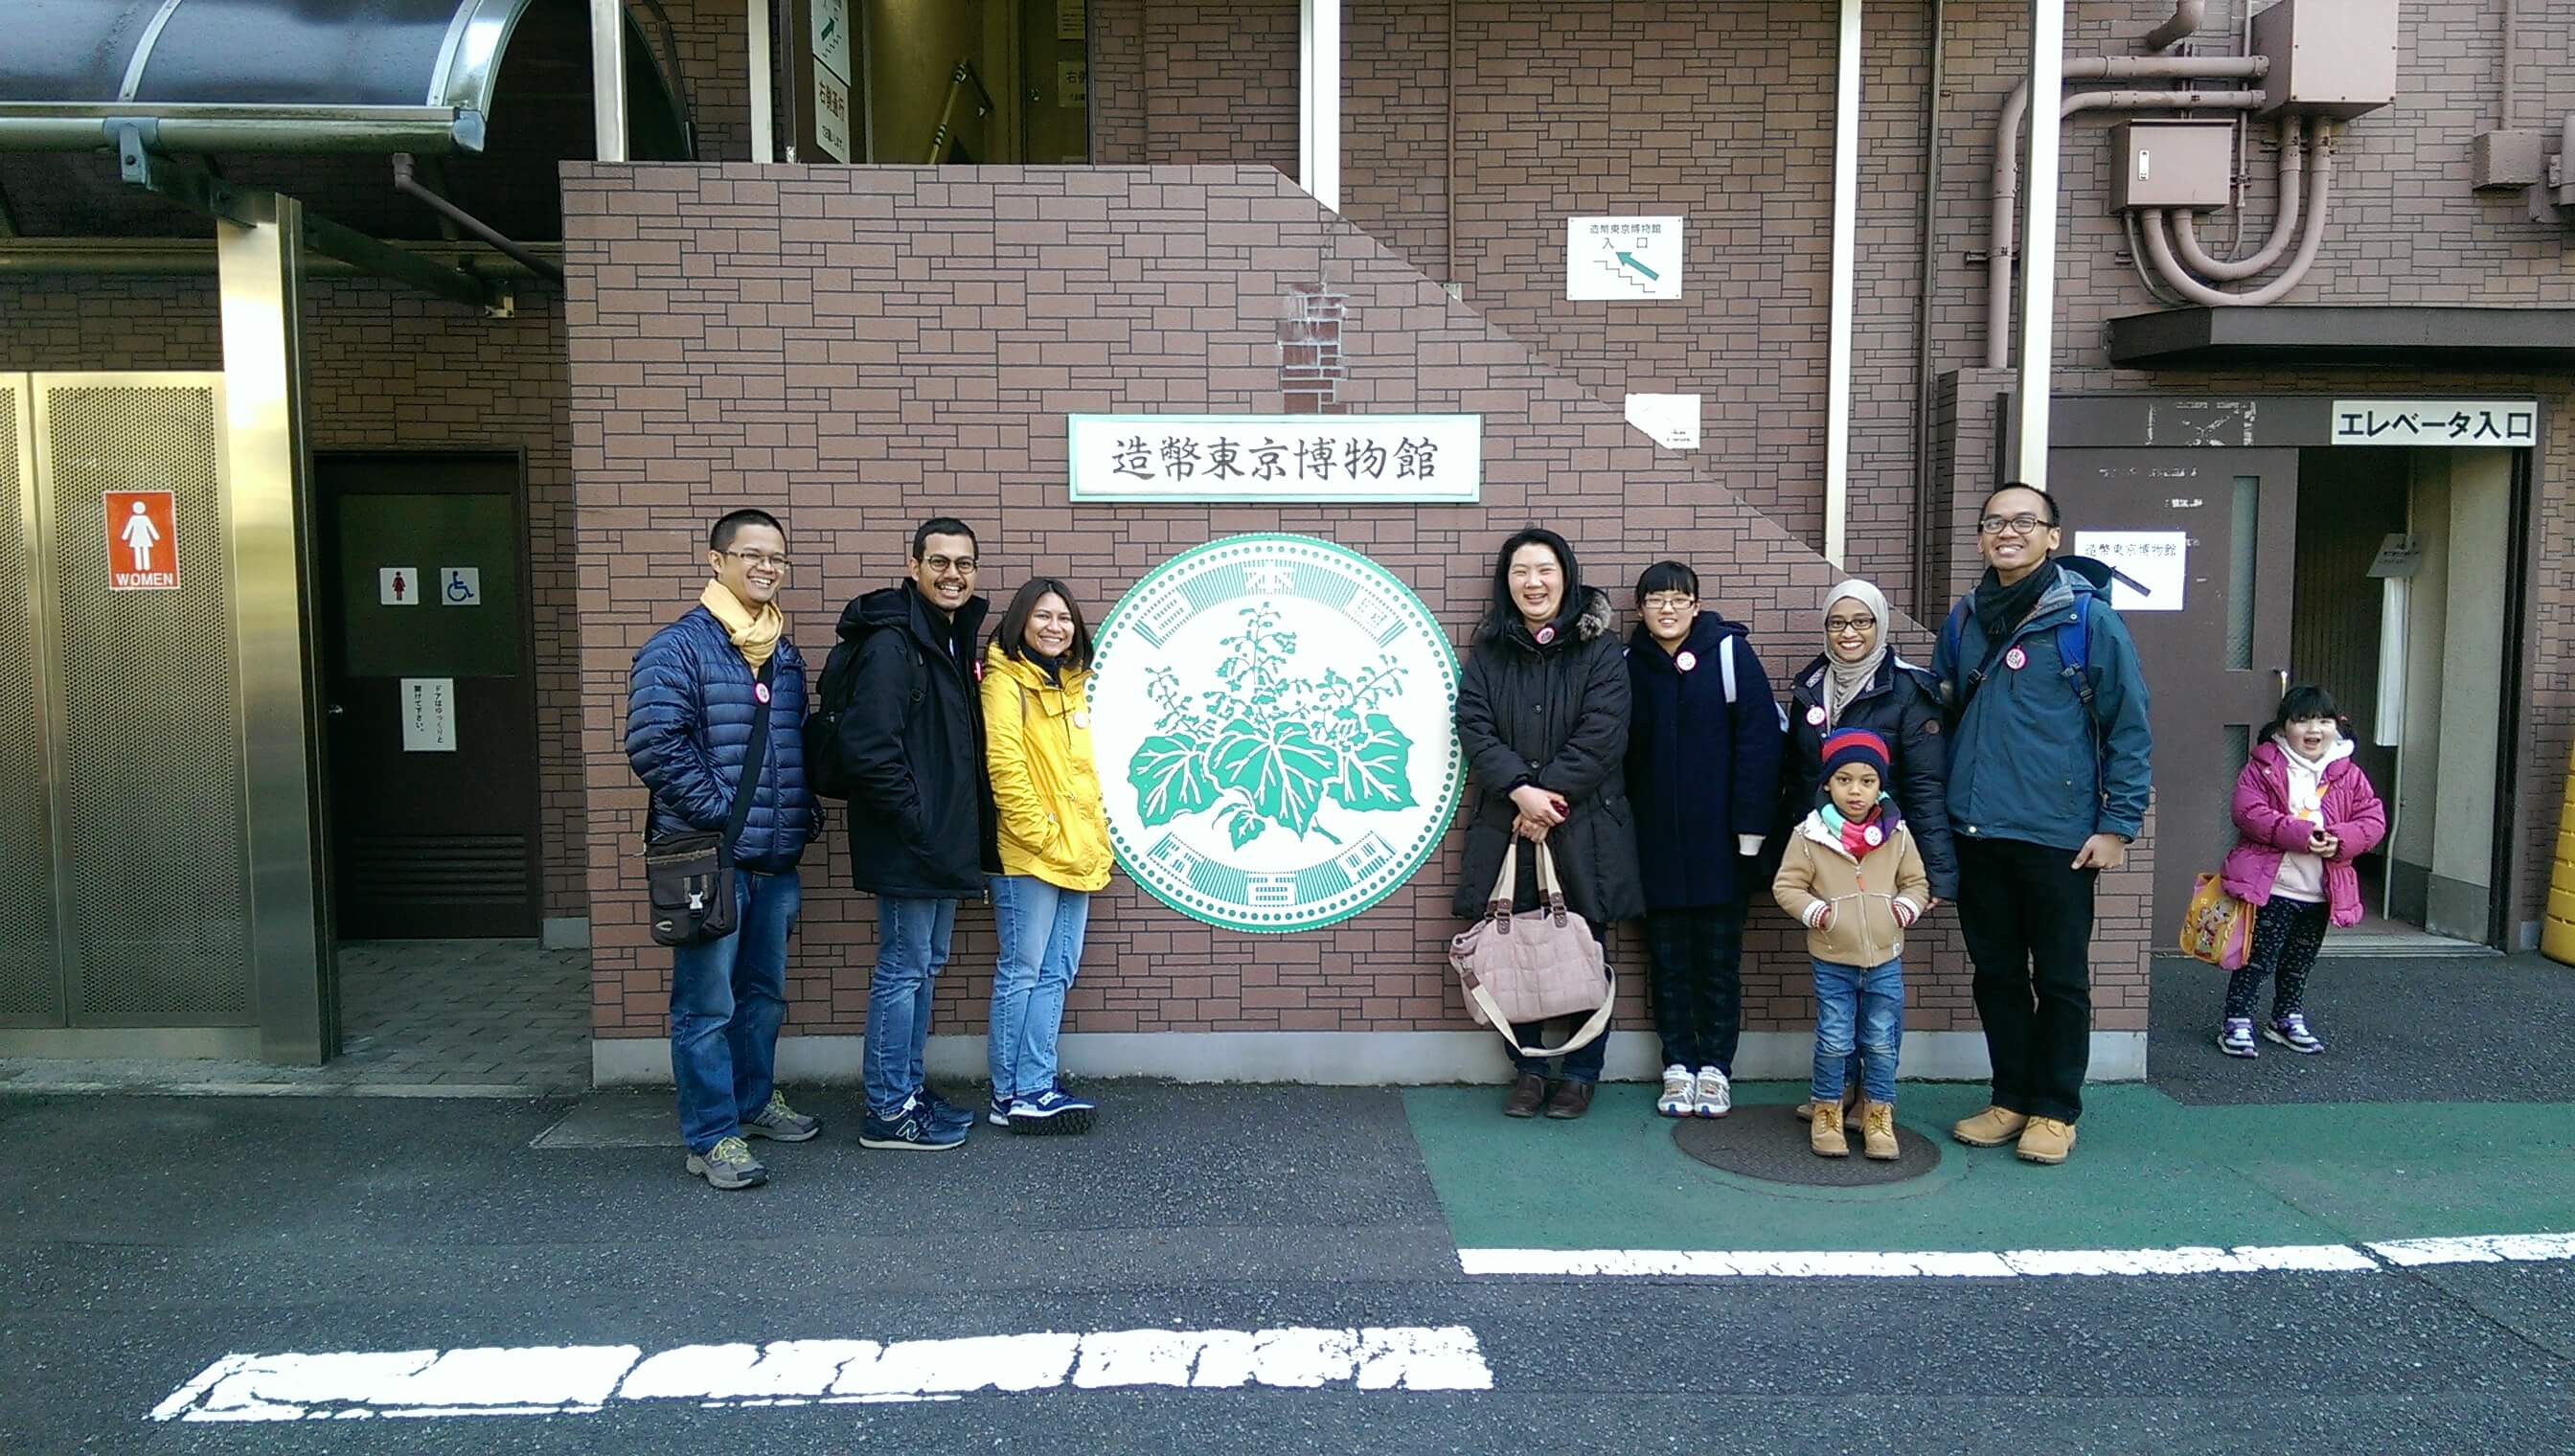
<point>2039,290</point>
<point>1319,111</point>
<point>2006,179</point>
<point>1928,587</point>
<point>2293,164</point>
<point>2187,16</point>
<point>1837,329</point>
<point>608,79</point>
<point>764,119</point>
<point>2319,190</point>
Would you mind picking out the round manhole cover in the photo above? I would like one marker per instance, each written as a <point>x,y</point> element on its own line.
<point>1769,1143</point>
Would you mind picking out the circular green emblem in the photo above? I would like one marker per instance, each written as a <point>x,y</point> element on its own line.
<point>1273,721</point>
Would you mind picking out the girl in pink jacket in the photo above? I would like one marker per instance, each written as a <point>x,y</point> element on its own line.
<point>2303,813</point>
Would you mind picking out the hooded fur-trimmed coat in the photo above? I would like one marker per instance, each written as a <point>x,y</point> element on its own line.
<point>1555,716</point>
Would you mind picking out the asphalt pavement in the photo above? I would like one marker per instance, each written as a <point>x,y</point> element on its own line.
<point>1297,1252</point>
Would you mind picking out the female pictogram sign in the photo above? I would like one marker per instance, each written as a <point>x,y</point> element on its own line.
<point>142,541</point>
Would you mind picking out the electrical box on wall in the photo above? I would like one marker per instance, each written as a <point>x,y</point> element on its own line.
<point>2504,159</point>
<point>2173,164</point>
<point>2328,57</point>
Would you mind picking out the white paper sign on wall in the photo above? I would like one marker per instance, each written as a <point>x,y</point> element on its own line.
<point>2152,567</point>
<point>1672,419</point>
<point>429,715</point>
<point>1623,260</point>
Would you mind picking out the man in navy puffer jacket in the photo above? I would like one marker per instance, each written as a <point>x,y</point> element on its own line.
<point>696,689</point>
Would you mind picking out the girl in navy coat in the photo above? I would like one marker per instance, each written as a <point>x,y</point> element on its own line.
<point>1702,776</point>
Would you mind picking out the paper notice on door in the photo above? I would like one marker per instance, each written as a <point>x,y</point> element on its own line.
<point>429,715</point>
<point>2150,570</point>
<point>1672,419</point>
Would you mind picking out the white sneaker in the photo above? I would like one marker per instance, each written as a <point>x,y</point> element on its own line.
<point>1714,1096</point>
<point>1680,1092</point>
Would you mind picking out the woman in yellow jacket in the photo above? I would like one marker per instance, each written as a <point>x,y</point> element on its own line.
<point>1054,842</point>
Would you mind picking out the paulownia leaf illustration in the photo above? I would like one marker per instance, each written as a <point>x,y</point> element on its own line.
<point>1245,828</point>
<point>1170,778</point>
<point>1376,770</point>
<point>1278,765</point>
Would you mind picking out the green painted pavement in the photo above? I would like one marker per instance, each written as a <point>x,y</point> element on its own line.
<point>2147,1172</point>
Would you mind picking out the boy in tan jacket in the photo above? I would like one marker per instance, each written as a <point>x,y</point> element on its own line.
<point>1852,877</point>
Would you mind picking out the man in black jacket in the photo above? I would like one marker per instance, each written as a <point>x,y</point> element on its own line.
<point>921,812</point>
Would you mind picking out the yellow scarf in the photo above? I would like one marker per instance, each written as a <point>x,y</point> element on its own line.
<point>755,634</point>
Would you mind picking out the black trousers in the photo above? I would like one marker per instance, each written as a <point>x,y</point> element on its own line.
<point>2287,935</point>
<point>2027,916</point>
<point>1697,956</point>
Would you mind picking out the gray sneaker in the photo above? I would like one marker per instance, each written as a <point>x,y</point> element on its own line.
<point>729,1164</point>
<point>780,1122</point>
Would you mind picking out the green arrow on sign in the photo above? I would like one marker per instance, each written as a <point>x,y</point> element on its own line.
<point>1630,259</point>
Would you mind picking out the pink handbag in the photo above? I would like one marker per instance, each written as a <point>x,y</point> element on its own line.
<point>1533,965</point>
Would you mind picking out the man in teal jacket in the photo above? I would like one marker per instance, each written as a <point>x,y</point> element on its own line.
<point>2048,782</point>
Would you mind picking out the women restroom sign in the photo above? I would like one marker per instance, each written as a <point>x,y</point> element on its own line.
<point>142,541</point>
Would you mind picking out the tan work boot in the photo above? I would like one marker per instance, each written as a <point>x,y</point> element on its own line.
<point>1878,1130</point>
<point>1990,1128</point>
<point>1851,1104</point>
<point>1824,1134</point>
<point>2046,1140</point>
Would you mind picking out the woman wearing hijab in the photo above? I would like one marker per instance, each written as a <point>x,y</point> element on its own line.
<point>1858,682</point>
<point>1542,719</point>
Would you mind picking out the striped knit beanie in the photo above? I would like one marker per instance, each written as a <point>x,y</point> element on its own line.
<point>1856,745</point>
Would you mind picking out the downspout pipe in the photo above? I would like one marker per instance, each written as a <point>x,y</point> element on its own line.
<point>2292,166</point>
<point>2319,188</point>
<point>409,185</point>
<point>1844,287</point>
<point>1929,533</point>
<point>2187,16</point>
<point>2006,180</point>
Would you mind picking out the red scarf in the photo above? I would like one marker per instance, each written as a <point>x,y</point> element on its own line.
<point>1856,833</point>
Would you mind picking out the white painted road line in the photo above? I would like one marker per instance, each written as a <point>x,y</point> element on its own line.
<point>583,1379</point>
<point>2485,1248</point>
<point>2010,1263</point>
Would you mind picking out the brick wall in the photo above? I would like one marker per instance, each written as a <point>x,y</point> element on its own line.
<point>868,347</point>
<point>388,370</point>
<point>1473,127</point>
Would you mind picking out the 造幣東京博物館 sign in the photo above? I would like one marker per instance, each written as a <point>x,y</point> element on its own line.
<point>1352,458</point>
<point>1273,722</point>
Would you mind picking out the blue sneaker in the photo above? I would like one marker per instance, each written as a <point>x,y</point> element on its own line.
<point>1052,1112</point>
<point>2291,1032</point>
<point>1000,1115</point>
<point>943,1111</point>
<point>911,1129</point>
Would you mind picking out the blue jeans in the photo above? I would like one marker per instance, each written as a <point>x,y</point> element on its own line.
<point>1040,928</point>
<point>727,998</point>
<point>912,943</point>
<point>1866,1004</point>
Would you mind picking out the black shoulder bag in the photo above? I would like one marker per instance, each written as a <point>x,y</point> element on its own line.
<point>688,878</point>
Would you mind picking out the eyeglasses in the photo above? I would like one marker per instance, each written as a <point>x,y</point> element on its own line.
<point>963,566</point>
<point>771,560</point>
<point>1849,625</point>
<point>2022,525</point>
<point>1669,601</point>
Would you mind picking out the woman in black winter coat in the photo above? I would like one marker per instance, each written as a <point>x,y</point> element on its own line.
<point>1542,719</point>
<point>1704,777</point>
<point>1858,682</point>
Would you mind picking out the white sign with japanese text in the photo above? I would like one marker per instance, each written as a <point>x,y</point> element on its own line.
<point>1312,457</point>
<point>1672,419</point>
<point>2151,568</point>
<point>1623,260</point>
<point>2499,423</point>
<point>429,715</point>
<point>830,19</point>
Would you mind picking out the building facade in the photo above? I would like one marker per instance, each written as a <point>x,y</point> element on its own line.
<point>859,346</point>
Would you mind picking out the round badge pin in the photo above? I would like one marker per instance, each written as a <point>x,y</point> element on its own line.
<point>1874,836</point>
<point>1685,662</point>
<point>1815,716</point>
<point>1082,720</point>
<point>760,691</point>
<point>2015,659</point>
<point>1546,635</point>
